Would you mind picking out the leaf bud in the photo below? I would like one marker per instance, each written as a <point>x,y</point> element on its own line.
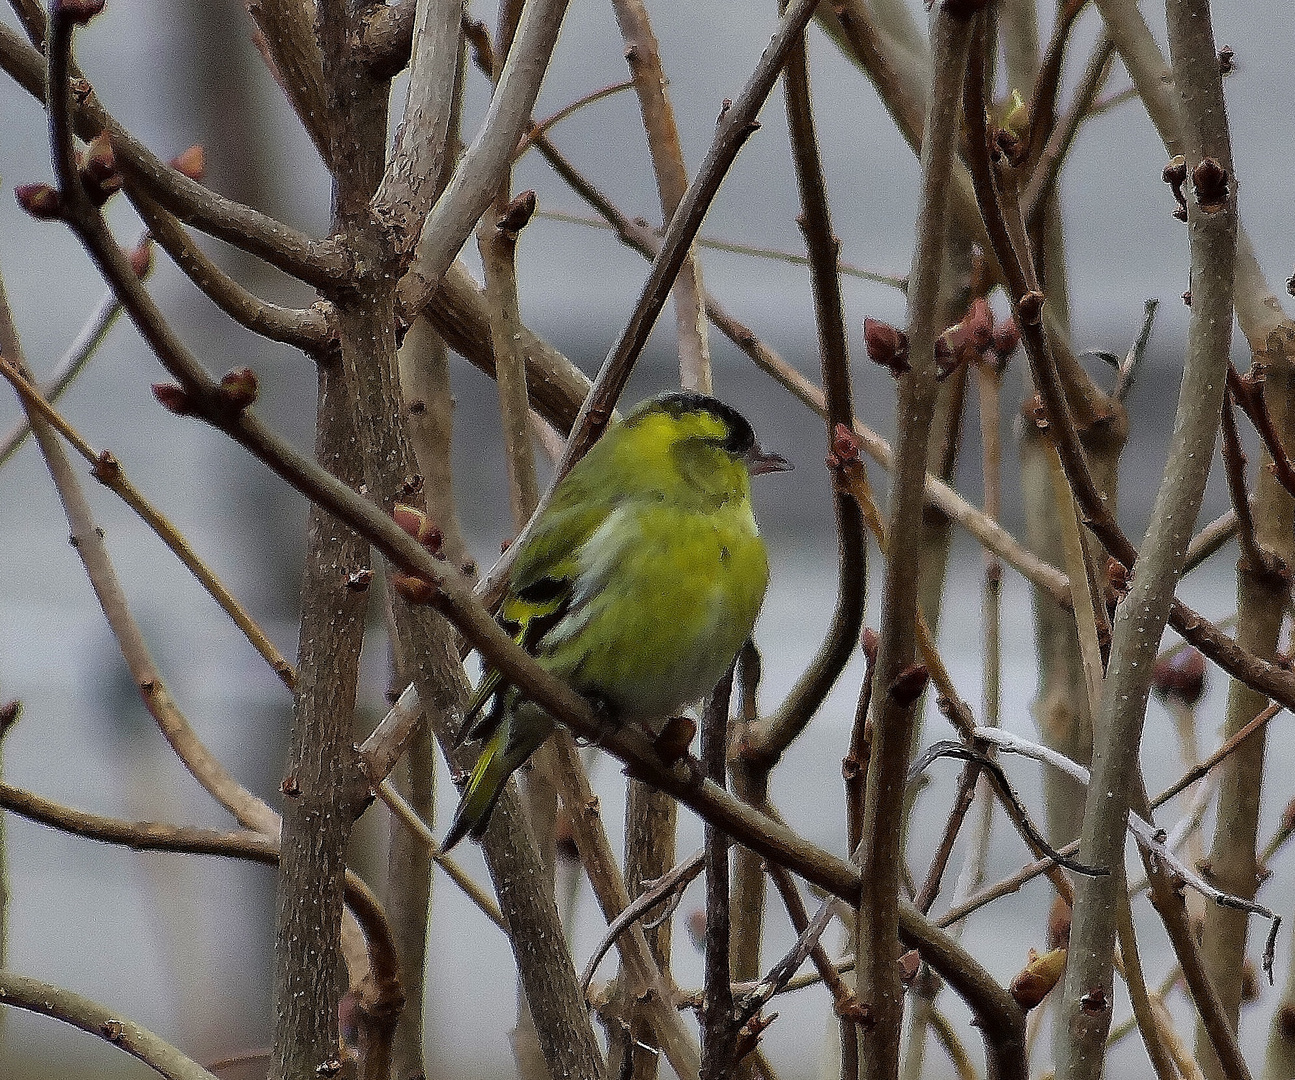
<point>41,201</point>
<point>1040,974</point>
<point>192,162</point>
<point>239,388</point>
<point>886,346</point>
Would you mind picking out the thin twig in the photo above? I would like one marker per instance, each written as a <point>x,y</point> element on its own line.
<point>408,816</point>
<point>23,992</point>
<point>108,471</point>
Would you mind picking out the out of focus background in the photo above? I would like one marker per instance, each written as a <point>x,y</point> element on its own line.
<point>183,944</point>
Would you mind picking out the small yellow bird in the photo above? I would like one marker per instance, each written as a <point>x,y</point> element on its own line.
<point>639,584</point>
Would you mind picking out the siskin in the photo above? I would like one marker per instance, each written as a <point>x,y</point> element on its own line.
<point>639,584</point>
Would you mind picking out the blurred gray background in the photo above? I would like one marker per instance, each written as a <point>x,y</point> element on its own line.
<point>183,945</point>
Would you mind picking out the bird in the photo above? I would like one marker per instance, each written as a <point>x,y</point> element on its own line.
<point>638,584</point>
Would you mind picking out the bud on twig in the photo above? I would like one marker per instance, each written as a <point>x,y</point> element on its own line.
<point>191,163</point>
<point>1180,675</point>
<point>1007,338</point>
<point>41,201</point>
<point>1175,175</point>
<point>1040,974</point>
<point>886,346</point>
<point>141,257</point>
<point>239,388</point>
<point>1210,183</point>
<point>415,590</point>
<point>174,399</point>
<point>518,214</point>
<point>77,11</point>
<point>909,684</point>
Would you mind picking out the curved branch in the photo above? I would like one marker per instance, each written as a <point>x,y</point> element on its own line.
<point>23,992</point>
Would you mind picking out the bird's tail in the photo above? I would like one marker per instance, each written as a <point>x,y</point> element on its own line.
<point>517,737</point>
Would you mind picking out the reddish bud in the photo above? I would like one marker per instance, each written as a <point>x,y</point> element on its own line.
<point>415,590</point>
<point>676,736</point>
<point>106,468</point>
<point>141,258</point>
<point>1210,183</point>
<point>909,684</point>
<point>1175,175</point>
<point>845,447</point>
<point>173,398</point>
<point>360,581</point>
<point>1227,60</point>
<point>1180,675</point>
<point>1006,338</point>
<point>869,639</point>
<point>239,388</point>
<point>1030,308</point>
<point>191,163</point>
<point>1059,918</point>
<point>886,346</point>
<point>980,323</point>
<point>518,214</point>
<point>10,711</point>
<point>909,965</point>
<point>696,924</point>
<point>41,201</point>
<point>98,170</point>
<point>1040,974</point>
<point>77,11</point>
<point>409,518</point>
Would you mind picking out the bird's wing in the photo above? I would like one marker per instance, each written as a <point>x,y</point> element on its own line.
<point>540,587</point>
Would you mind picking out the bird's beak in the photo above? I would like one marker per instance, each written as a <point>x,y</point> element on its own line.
<point>760,463</point>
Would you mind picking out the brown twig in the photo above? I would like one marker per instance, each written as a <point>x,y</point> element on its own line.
<point>896,687</point>
<point>1234,466</point>
<point>643,55</point>
<point>543,127</point>
<point>307,329</point>
<point>108,471</point>
<point>23,992</point>
<point>770,738</point>
<point>719,1031</point>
